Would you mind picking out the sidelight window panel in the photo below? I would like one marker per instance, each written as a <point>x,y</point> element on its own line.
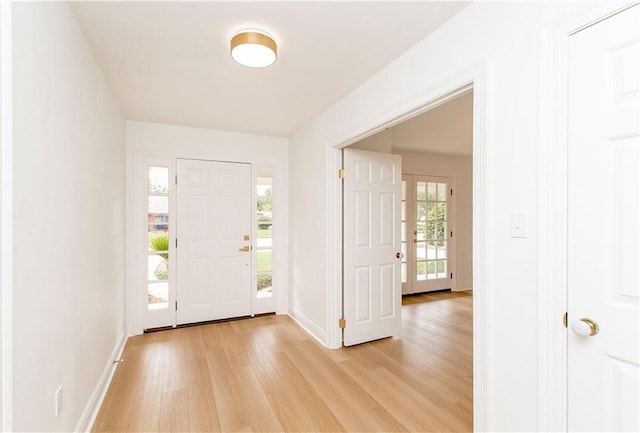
<point>264,241</point>
<point>158,237</point>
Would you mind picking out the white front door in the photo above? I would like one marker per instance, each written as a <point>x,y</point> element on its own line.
<point>604,226</point>
<point>213,240</point>
<point>372,285</point>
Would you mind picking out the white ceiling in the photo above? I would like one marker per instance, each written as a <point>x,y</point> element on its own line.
<point>169,61</point>
<point>446,129</point>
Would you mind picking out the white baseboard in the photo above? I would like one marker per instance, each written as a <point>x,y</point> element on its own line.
<point>463,286</point>
<point>314,330</point>
<point>85,424</point>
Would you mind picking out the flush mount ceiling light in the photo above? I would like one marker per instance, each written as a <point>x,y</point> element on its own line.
<point>254,48</point>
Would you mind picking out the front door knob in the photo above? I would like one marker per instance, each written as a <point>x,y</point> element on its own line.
<point>585,327</point>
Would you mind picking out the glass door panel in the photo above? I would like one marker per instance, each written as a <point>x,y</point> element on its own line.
<point>264,241</point>
<point>158,237</point>
<point>428,230</point>
<point>406,236</point>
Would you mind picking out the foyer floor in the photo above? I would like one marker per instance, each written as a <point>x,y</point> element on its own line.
<point>267,374</point>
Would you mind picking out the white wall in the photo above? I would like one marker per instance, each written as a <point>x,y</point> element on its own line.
<point>69,160</point>
<point>381,142</point>
<point>505,37</point>
<point>153,140</point>
<point>459,169</point>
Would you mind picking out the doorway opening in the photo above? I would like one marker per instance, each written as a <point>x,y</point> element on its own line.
<point>436,150</point>
<point>437,194</point>
<point>474,83</point>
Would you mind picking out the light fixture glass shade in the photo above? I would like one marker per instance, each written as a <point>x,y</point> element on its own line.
<point>254,48</point>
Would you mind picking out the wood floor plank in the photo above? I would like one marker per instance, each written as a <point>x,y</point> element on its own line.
<point>145,415</point>
<point>349,402</point>
<point>240,401</point>
<point>202,406</point>
<point>174,373</point>
<point>416,414</point>
<point>296,404</point>
<point>174,412</point>
<point>267,374</point>
<point>116,409</point>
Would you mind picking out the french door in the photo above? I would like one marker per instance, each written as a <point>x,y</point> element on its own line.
<point>427,234</point>
<point>214,227</point>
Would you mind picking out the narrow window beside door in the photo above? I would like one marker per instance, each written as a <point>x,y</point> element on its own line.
<point>264,243</point>
<point>158,237</point>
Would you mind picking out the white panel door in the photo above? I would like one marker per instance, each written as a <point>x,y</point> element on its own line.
<point>214,256</point>
<point>372,284</point>
<point>604,225</point>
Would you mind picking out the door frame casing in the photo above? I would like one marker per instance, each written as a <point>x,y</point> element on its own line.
<point>478,78</point>
<point>552,209</point>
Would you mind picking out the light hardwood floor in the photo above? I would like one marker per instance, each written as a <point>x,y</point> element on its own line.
<point>267,374</point>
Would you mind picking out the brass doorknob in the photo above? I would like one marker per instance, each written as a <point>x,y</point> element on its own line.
<point>585,327</point>
<point>247,248</point>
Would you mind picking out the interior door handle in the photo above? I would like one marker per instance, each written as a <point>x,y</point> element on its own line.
<point>585,327</point>
<point>399,256</point>
<point>246,248</point>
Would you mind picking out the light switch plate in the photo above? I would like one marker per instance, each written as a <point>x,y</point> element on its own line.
<point>519,225</point>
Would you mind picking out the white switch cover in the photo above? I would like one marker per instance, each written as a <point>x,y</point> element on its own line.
<point>519,225</point>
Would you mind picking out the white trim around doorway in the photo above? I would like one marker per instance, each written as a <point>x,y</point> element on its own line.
<point>478,78</point>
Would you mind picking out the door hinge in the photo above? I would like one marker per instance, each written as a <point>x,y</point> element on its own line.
<point>451,234</point>
<point>451,192</point>
<point>176,179</point>
<point>342,323</point>
<point>176,305</point>
<point>342,173</point>
<point>451,275</point>
<point>565,319</point>
<point>176,242</point>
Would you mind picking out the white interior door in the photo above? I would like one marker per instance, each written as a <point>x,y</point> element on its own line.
<point>213,240</point>
<point>372,286</point>
<point>604,225</point>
